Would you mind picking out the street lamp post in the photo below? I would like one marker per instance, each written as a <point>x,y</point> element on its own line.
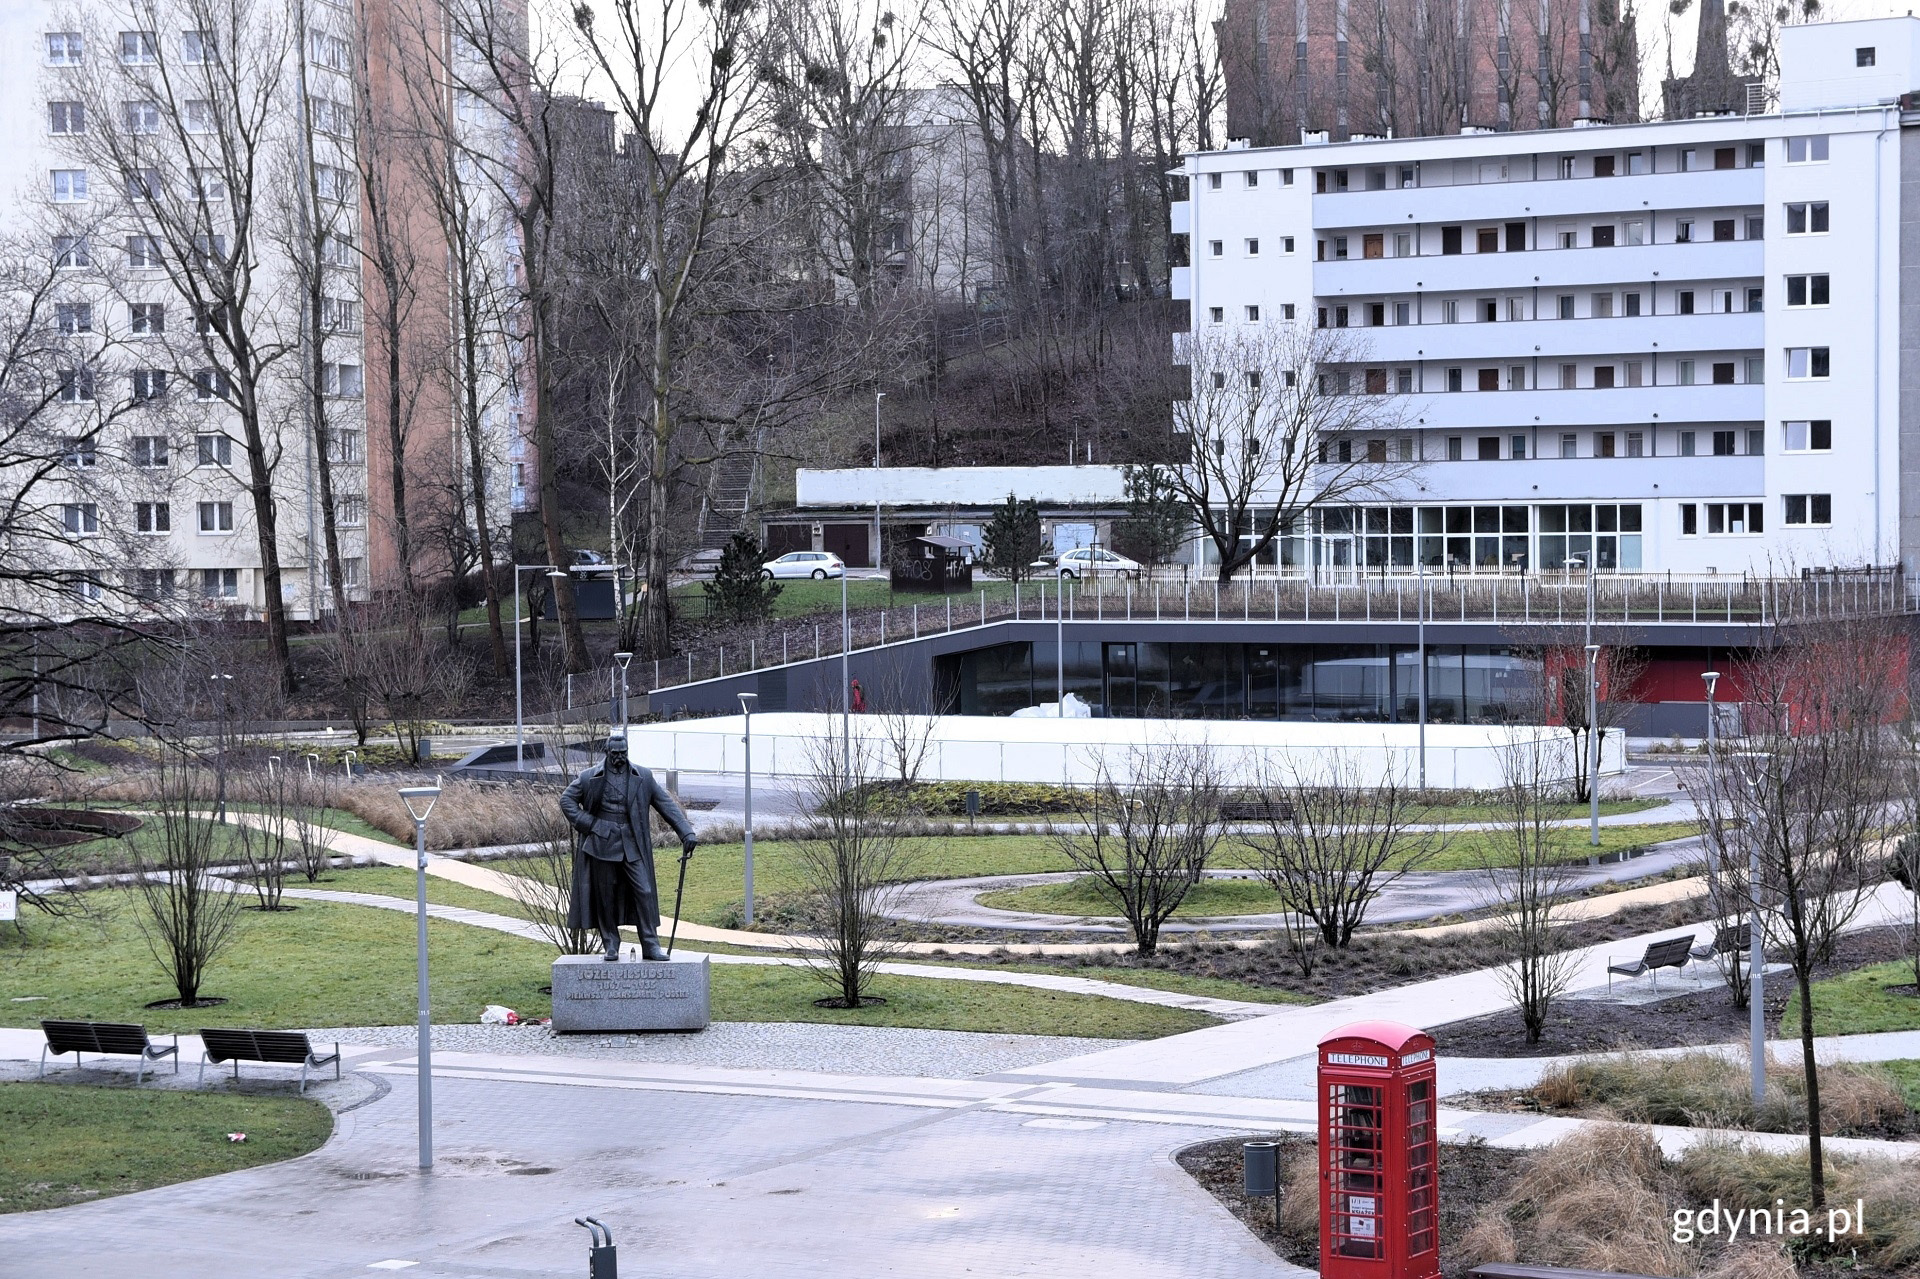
<point>220,770</point>
<point>1420,642</point>
<point>1593,740</point>
<point>412,795</point>
<point>846,687</point>
<point>519,721</point>
<point>877,397</point>
<point>747,702</point>
<point>1059,644</point>
<point>621,660</point>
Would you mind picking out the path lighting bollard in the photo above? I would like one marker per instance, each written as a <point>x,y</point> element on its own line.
<point>747,702</point>
<point>602,1262</point>
<point>419,801</point>
<point>346,759</point>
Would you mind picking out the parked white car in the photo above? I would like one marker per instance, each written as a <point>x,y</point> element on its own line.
<point>818,565</point>
<point>1087,561</point>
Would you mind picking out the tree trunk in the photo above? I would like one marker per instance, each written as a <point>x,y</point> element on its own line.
<point>573,640</point>
<point>266,524</point>
<point>1816,1162</point>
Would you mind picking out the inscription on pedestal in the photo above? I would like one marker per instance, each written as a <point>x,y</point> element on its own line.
<point>591,995</point>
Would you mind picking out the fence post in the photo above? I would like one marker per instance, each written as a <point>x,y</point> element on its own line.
<point>816,641</point>
<point>916,621</point>
<point>949,612</point>
<point>723,659</point>
<point>983,606</point>
<point>753,654</point>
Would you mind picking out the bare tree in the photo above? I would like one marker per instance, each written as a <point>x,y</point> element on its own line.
<point>1274,429</point>
<point>264,845</point>
<point>1332,841</point>
<point>310,838</point>
<point>1146,836</point>
<point>1525,877</point>
<point>409,680</point>
<point>852,855</point>
<point>906,734</point>
<point>1808,791</point>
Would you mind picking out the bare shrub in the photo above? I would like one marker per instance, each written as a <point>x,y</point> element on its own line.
<point>1525,893</point>
<point>851,858</point>
<point>1148,840</point>
<point>544,878</point>
<point>310,837</point>
<point>1330,843</point>
<point>186,915</point>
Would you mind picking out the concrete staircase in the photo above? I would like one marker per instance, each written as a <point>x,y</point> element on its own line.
<point>731,483</point>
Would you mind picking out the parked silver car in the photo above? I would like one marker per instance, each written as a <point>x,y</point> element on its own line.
<point>819,565</point>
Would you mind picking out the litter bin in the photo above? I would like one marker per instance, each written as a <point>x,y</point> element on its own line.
<point>1260,1174</point>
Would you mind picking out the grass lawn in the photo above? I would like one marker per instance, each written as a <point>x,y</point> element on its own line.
<point>67,1143</point>
<point>1150,978</point>
<point>1858,1003</point>
<point>398,881</point>
<point>1908,1073</point>
<point>333,965</point>
<point>1087,896</point>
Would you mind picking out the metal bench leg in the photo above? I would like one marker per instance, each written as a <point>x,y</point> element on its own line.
<point>202,1080</point>
<point>140,1072</point>
<point>303,1079</point>
<point>336,1061</point>
<point>43,1061</point>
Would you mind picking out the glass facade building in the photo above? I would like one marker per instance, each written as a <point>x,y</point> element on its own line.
<point>1362,683</point>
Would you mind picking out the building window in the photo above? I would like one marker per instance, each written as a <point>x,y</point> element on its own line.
<point>139,48</point>
<point>1517,448</point>
<point>152,517</point>
<point>1756,299</point>
<point>1722,229</point>
<point>1403,244</point>
<point>69,186</point>
<point>1216,248</point>
<point>1809,437</point>
<point>1253,248</point>
<point>1723,373</point>
<point>1636,232</point>
<point>1603,377</point>
<point>1569,376</point>
<point>1803,509</point>
<point>1636,373</point>
<point>147,319</point>
<point>1449,240</point>
<point>1683,372</point>
<point>1488,448</point>
<point>1630,304</point>
<point>1807,219</point>
<point>1516,377</point>
<point>1723,443</point>
<point>80,519</point>
<point>1253,177</point>
<point>1689,520</point>
<point>1213,182</point>
<point>76,387</point>
<point>344,446</point>
<point>1683,302</point>
<point>1603,443</point>
<point>1216,315</point>
<point>1756,227</point>
<point>1807,290</point>
<point>198,47</point>
<point>1732,519</point>
<point>73,317</point>
<point>1636,444</point>
<point>211,384</point>
<point>1687,448</point>
<point>143,184</point>
<point>1286,244</point>
<point>63,48</point>
<point>1454,379</point>
<point>1811,150</point>
<point>1454,453</point>
<point>216,517</point>
<point>1403,381</point>
<point>219,583</point>
<point>1569,445</point>
<point>1603,237</point>
<point>1253,317</point>
<point>1683,231</point>
<point>1341,317</point>
<point>148,385</point>
<point>1402,313</point>
<point>1805,362</point>
<point>1863,57</point>
<point>339,315</point>
<point>140,117</point>
<point>148,451</point>
<point>1286,177</point>
<point>1488,380</point>
<point>66,117</point>
<point>71,253</point>
<point>213,450</point>
<point>143,252</point>
<point>153,584</point>
<point>1565,304</point>
<point>1756,441</point>
<point>1286,311</point>
<point>350,512</point>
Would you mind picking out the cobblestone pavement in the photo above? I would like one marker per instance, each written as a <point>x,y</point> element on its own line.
<point>851,1050</point>
<point>691,1183</point>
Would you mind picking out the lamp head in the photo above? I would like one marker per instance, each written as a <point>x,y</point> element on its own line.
<point>621,659</point>
<point>748,701</point>
<point>1712,678</point>
<point>414,796</point>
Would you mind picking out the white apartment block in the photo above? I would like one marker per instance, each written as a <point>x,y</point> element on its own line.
<point>1680,347</point>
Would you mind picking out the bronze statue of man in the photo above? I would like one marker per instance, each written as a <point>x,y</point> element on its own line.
<point>613,873</point>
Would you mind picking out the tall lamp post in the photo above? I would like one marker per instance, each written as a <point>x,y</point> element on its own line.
<point>419,801</point>
<point>1593,740</point>
<point>877,555</point>
<point>846,687</point>
<point>622,660</point>
<point>519,721</point>
<point>220,683</point>
<point>747,702</point>
<point>1420,642</point>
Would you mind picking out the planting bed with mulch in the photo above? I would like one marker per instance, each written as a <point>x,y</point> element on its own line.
<point>1375,961</point>
<point>1705,1017</point>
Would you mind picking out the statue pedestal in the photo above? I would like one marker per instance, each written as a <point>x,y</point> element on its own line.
<point>592,996</point>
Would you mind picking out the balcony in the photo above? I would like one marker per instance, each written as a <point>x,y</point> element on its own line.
<point>1547,269</point>
<point>1555,479</point>
<point>1489,202</point>
<point>1182,217</point>
<point>1488,411</point>
<point>1507,341</point>
<point>1180,288</point>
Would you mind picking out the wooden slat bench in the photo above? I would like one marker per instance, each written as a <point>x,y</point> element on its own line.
<point>1674,952</point>
<point>1515,1270</point>
<point>270,1047</point>
<point>109,1039</point>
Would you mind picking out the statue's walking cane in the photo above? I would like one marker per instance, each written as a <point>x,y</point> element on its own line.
<point>686,855</point>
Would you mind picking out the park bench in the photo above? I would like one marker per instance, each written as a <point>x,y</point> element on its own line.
<point>109,1039</point>
<point>1674,952</point>
<point>1731,939</point>
<point>272,1047</point>
<point>1516,1270</point>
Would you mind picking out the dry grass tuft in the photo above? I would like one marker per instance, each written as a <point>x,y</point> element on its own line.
<point>467,815</point>
<point>1710,1090</point>
<point>1300,1189</point>
<point>1489,1239</point>
<point>1755,1261</point>
<point>1596,1201</point>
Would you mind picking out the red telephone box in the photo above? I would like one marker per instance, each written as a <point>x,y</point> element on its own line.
<point>1379,1160</point>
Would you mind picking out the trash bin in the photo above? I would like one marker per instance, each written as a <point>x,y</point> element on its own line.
<point>1260,1174</point>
